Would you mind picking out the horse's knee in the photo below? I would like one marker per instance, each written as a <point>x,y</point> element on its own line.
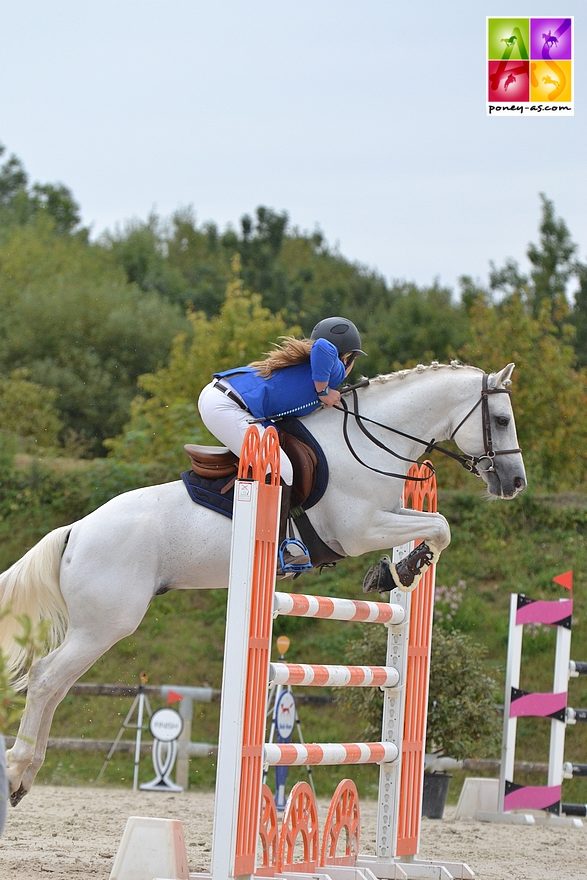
<point>441,537</point>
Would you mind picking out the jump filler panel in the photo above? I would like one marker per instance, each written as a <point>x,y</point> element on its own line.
<point>530,67</point>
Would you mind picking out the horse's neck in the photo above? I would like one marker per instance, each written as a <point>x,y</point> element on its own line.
<point>427,405</point>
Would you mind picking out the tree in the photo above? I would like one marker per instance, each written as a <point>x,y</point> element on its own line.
<point>550,395</point>
<point>68,316</point>
<point>552,268</point>
<point>552,265</point>
<point>28,412</point>
<point>165,416</point>
<point>416,325</point>
<point>142,251</point>
<point>20,202</point>
<point>579,316</point>
<point>462,720</point>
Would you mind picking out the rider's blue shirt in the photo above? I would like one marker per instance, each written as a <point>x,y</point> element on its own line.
<point>289,388</point>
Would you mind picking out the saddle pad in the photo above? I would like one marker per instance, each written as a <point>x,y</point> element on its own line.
<point>205,488</point>
<point>208,492</point>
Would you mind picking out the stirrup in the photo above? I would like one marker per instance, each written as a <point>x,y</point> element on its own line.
<point>292,566</point>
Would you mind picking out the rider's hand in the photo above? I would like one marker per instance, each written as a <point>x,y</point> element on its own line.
<point>331,398</point>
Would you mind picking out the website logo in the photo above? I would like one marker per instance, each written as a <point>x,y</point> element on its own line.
<point>530,66</point>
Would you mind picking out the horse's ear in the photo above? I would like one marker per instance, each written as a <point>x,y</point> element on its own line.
<point>503,378</point>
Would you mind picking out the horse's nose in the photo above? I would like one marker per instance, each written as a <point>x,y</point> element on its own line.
<point>519,483</point>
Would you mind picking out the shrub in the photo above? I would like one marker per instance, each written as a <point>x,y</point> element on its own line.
<point>463,720</point>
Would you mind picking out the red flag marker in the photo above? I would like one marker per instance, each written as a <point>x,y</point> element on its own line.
<point>173,697</point>
<point>564,580</point>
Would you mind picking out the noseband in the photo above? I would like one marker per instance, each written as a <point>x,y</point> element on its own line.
<point>469,462</point>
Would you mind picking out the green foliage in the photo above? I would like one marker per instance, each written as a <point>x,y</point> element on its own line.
<point>11,703</point>
<point>33,639</point>
<point>20,202</point>
<point>546,291</point>
<point>579,317</point>
<point>39,496</point>
<point>418,325</point>
<point>142,251</point>
<point>552,264</point>
<point>69,319</point>
<point>462,718</point>
<point>167,418</point>
<point>85,320</point>
<point>28,412</point>
<point>549,393</point>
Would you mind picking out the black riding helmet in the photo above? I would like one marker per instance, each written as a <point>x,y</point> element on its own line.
<point>341,332</point>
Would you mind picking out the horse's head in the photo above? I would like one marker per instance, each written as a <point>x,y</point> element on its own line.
<point>487,435</point>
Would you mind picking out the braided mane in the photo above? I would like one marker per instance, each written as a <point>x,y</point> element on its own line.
<point>422,368</point>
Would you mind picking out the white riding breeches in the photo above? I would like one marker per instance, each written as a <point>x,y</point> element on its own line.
<point>229,423</point>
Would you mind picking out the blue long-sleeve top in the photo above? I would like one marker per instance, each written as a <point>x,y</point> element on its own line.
<point>289,388</point>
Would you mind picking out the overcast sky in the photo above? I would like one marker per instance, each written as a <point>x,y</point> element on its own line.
<point>366,120</point>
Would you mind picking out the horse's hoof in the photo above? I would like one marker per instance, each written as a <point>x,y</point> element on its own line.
<point>17,796</point>
<point>379,578</point>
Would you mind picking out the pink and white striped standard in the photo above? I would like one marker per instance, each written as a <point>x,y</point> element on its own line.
<point>314,754</point>
<point>332,676</point>
<point>325,607</point>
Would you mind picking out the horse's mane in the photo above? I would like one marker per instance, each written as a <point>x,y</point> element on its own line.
<point>421,368</point>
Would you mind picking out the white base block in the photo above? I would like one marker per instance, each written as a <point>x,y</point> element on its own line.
<point>416,869</point>
<point>558,821</point>
<point>326,872</point>
<point>151,848</point>
<point>384,870</point>
<point>372,868</point>
<point>477,795</point>
<point>506,818</point>
<point>420,869</point>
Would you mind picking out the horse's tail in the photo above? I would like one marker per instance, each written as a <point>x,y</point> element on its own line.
<point>30,589</point>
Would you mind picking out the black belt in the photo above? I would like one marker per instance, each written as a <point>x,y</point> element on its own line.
<point>230,394</point>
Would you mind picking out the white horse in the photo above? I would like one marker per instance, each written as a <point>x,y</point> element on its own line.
<point>95,579</point>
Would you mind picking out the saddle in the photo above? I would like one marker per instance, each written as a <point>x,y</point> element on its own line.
<point>210,482</point>
<point>218,462</point>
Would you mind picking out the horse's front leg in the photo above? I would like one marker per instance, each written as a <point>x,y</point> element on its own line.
<point>400,528</point>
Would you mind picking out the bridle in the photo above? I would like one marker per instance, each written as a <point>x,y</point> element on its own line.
<point>469,462</point>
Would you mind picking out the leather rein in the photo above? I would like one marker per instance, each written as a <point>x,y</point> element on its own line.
<point>469,462</point>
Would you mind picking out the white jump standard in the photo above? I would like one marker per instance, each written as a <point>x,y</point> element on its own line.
<point>528,804</point>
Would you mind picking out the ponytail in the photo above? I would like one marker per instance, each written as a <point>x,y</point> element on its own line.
<point>289,352</point>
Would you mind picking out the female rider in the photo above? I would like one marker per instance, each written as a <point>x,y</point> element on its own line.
<point>295,378</point>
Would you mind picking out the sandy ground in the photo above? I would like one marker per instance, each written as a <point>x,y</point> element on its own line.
<point>73,834</point>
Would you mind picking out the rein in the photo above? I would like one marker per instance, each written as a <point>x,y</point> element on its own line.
<point>469,462</point>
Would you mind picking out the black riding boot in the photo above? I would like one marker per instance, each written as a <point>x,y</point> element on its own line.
<point>301,559</point>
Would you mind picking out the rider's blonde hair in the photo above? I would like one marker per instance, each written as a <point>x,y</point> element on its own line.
<point>288,352</point>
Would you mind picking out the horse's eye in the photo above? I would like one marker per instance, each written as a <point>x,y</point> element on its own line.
<point>503,421</point>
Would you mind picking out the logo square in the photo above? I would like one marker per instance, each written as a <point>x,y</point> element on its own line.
<point>551,81</point>
<point>508,81</point>
<point>508,38</point>
<point>551,38</point>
